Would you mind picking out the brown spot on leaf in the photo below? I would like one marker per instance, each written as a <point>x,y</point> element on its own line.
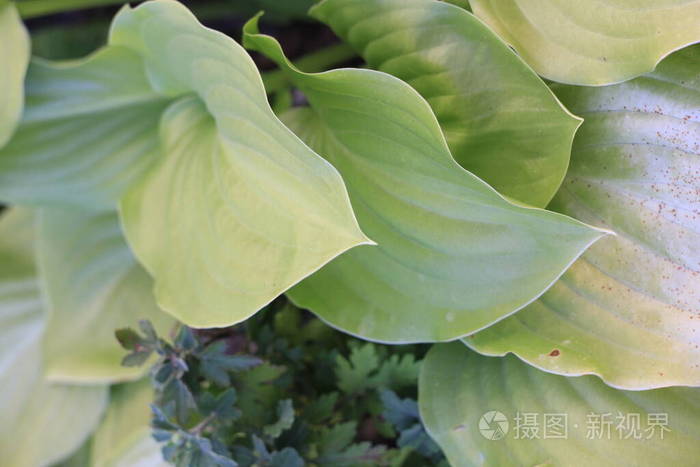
<point>554,353</point>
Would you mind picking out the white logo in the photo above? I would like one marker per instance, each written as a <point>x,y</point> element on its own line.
<point>493,425</point>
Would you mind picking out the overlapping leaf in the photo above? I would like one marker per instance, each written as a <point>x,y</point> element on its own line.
<point>596,424</point>
<point>500,120</point>
<point>239,209</point>
<point>123,439</point>
<point>41,422</point>
<point>629,309</point>
<point>453,255</point>
<point>88,131</point>
<point>14,57</point>
<point>592,43</point>
<point>93,286</point>
<point>223,230</point>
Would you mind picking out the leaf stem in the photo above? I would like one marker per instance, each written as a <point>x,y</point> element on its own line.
<point>312,63</point>
<point>197,430</point>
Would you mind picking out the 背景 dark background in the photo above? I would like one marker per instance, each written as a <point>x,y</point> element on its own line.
<point>76,33</point>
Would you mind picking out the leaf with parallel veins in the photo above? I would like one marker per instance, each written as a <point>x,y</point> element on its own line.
<point>453,256</point>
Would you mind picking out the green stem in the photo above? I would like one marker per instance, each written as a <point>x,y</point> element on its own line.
<point>33,8</point>
<point>311,63</point>
<point>203,424</point>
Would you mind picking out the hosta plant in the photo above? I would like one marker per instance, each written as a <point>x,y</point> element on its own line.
<point>509,177</point>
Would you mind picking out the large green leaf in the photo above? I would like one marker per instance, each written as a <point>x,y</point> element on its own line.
<point>593,42</point>
<point>238,209</point>
<point>123,439</point>
<point>629,309</point>
<point>88,131</point>
<point>459,388</point>
<point>93,286</point>
<point>14,57</point>
<point>41,423</point>
<point>501,121</point>
<point>453,255</point>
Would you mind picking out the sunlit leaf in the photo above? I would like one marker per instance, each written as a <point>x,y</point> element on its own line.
<point>453,255</point>
<point>501,121</point>
<point>239,209</point>
<point>93,286</point>
<point>629,309</point>
<point>545,419</point>
<point>14,57</point>
<point>592,42</point>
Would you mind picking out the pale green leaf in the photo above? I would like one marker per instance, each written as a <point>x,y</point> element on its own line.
<point>453,255</point>
<point>79,458</point>
<point>93,286</point>
<point>14,57</point>
<point>604,426</point>
<point>238,209</point>
<point>592,42</point>
<point>89,129</point>
<point>21,314</point>
<point>629,309</point>
<point>42,423</point>
<point>123,439</point>
<point>500,120</point>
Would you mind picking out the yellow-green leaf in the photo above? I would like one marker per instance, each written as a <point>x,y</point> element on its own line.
<point>453,255</point>
<point>14,57</point>
<point>124,439</point>
<point>93,286</point>
<point>501,122</point>
<point>591,42</point>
